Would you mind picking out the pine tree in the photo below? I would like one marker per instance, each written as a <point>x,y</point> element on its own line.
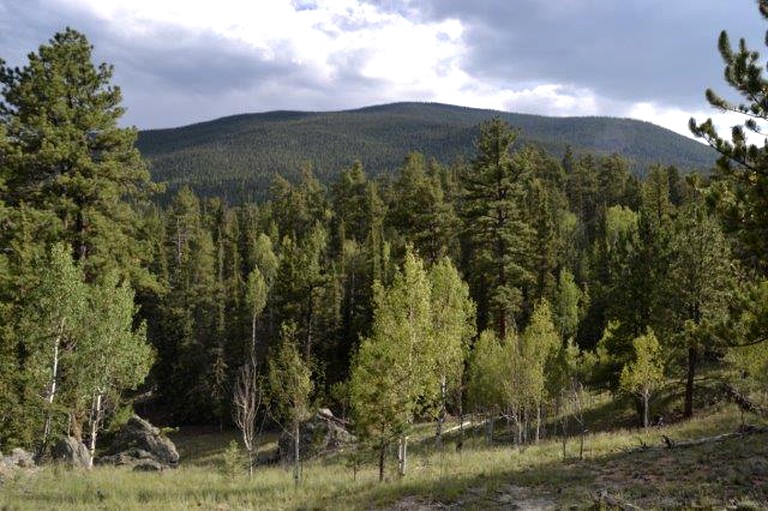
<point>742,194</point>
<point>701,283</point>
<point>500,236</point>
<point>66,154</point>
<point>420,212</point>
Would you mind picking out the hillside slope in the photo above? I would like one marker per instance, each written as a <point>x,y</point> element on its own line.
<point>236,157</point>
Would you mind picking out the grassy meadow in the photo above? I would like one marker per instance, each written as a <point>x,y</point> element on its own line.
<point>731,473</point>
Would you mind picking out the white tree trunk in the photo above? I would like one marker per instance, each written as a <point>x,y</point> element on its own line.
<point>538,423</point>
<point>95,419</point>
<point>402,455</point>
<point>52,385</point>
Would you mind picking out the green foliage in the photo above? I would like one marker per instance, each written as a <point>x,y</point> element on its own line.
<point>421,211</point>
<point>645,374</point>
<point>290,381</point>
<point>113,355</point>
<point>485,373</point>
<point>567,312</point>
<point>453,321</point>
<point>394,373</point>
<point>400,352</point>
<point>232,461</point>
<point>540,345</point>
<point>80,342</point>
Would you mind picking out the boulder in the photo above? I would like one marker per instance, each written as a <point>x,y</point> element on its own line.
<point>320,435</point>
<point>140,443</point>
<point>148,466</point>
<point>18,460</point>
<point>72,452</point>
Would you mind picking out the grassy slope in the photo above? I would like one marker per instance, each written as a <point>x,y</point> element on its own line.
<point>481,477</point>
<point>236,157</point>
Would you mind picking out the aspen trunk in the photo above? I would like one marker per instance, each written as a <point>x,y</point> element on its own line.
<point>402,455</point>
<point>538,423</point>
<point>95,418</point>
<point>52,387</point>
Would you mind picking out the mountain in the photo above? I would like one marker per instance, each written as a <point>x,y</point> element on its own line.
<point>237,157</point>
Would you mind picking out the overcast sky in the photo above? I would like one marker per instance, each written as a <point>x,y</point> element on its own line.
<point>184,61</point>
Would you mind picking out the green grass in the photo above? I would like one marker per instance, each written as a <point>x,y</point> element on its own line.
<point>480,477</point>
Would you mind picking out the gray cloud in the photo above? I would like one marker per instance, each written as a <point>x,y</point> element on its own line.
<point>650,50</point>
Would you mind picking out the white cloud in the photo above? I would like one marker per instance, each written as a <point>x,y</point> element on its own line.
<point>394,49</point>
<point>676,119</point>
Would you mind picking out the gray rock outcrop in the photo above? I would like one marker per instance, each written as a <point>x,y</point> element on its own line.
<point>70,451</point>
<point>141,445</point>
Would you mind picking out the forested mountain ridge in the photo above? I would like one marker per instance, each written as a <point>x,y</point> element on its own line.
<point>236,157</point>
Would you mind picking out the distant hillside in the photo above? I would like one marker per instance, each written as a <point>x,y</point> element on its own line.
<point>236,157</point>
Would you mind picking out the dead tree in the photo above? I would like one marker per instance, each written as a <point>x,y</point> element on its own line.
<point>248,399</point>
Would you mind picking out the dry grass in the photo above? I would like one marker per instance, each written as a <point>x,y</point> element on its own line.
<point>713,475</point>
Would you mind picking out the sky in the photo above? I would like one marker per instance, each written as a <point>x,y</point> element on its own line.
<point>184,61</point>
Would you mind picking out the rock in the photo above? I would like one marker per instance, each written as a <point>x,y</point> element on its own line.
<point>148,466</point>
<point>322,434</point>
<point>128,457</point>
<point>71,452</point>
<point>140,443</point>
<point>20,458</point>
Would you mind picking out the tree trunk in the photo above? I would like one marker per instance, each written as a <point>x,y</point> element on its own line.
<point>489,429</point>
<point>253,337</point>
<point>382,455</point>
<point>296,458</point>
<point>310,313</point>
<point>52,387</point>
<point>691,374</point>
<point>645,409</point>
<point>402,455</point>
<point>538,423</point>
<point>95,418</point>
<point>460,443</point>
<point>441,414</point>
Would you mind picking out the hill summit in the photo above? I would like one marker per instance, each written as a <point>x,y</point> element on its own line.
<point>237,157</point>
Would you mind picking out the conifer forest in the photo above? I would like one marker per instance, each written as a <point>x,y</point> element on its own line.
<point>502,286</point>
